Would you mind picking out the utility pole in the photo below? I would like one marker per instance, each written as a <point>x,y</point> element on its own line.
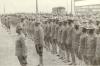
<point>36,10</point>
<point>71,6</point>
<point>74,8</point>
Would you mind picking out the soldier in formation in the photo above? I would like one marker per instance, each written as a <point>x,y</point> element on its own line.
<point>74,40</point>
<point>39,41</point>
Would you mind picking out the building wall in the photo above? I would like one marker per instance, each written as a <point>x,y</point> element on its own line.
<point>88,9</point>
<point>58,11</point>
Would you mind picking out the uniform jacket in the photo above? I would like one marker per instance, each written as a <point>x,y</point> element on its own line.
<point>54,30</point>
<point>60,33</point>
<point>39,35</point>
<point>70,35</point>
<point>48,30</point>
<point>77,35</point>
<point>83,43</point>
<point>64,36</point>
<point>21,49</point>
<point>91,45</point>
<point>98,46</point>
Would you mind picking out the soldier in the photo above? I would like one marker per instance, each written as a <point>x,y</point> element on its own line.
<point>61,44</point>
<point>25,26</point>
<point>21,49</point>
<point>31,27</point>
<point>64,38</point>
<point>39,41</point>
<point>97,53</point>
<point>7,24</point>
<point>60,38</point>
<point>54,46</point>
<point>91,45</point>
<point>57,36</point>
<point>77,34</point>
<point>48,35</point>
<point>69,41</point>
<point>45,35</point>
<point>82,44</point>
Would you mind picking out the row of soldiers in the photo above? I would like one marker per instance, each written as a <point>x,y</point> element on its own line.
<point>67,39</point>
<point>71,39</point>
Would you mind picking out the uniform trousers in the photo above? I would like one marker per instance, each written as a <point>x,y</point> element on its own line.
<point>22,60</point>
<point>69,50</point>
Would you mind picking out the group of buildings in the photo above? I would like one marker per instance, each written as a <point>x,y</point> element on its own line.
<point>79,10</point>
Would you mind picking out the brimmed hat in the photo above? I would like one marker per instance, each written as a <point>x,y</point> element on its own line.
<point>37,23</point>
<point>77,23</point>
<point>60,22</point>
<point>19,28</point>
<point>85,21</point>
<point>70,20</point>
<point>84,26</point>
<point>65,21</point>
<point>91,26</point>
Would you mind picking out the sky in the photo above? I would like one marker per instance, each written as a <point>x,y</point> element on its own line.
<point>28,6</point>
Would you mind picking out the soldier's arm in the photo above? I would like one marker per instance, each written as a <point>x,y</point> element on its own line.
<point>41,33</point>
<point>95,43</point>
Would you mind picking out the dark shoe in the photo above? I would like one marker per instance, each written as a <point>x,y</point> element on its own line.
<point>58,55</point>
<point>61,58</point>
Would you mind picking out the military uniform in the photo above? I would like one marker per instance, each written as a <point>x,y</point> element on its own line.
<point>39,40</point>
<point>82,46</point>
<point>91,45</point>
<point>46,37</point>
<point>97,53</point>
<point>21,50</point>
<point>70,42</point>
<point>77,34</point>
<point>60,33</point>
<point>54,38</point>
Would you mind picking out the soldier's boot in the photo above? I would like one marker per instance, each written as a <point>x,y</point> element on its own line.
<point>22,64</point>
<point>41,60</point>
<point>62,55</point>
<point>59,51</point>
<point>73,58</point>
<point>67,55</point>
<point>55,49</point>
<point>48,46</point>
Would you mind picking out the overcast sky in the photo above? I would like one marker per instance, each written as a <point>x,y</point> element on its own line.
<point>13,6</point>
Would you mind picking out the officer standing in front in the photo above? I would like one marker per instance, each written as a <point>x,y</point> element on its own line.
<point>21,49</point>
